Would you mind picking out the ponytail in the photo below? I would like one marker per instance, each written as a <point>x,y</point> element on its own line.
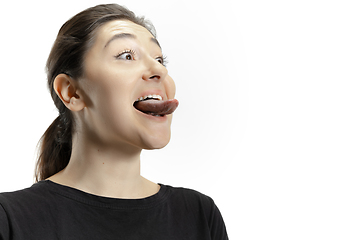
<point>55,147</point>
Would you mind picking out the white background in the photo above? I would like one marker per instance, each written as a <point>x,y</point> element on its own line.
<point>268,122</point>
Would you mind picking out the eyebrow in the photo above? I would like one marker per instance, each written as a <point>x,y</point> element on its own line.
<point>129,35</point>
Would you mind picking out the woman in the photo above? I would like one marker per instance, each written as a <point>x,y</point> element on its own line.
<point>107,77</point>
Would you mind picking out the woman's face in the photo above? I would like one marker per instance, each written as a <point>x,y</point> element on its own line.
<point>124,64</point>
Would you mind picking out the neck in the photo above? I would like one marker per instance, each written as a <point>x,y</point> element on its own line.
<point>105,171</point>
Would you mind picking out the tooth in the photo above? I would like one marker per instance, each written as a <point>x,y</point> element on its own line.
<point>155,96</point>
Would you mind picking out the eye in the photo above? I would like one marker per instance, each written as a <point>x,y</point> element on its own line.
<point>161,60</point>
<point>126,55</point>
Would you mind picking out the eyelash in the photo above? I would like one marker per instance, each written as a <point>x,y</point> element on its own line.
<point>163,62</point>
<point>132,52</point>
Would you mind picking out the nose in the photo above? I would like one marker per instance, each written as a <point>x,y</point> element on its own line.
<point>154,70</point>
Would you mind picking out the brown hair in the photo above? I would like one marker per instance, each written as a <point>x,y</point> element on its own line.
<point>74,39</point>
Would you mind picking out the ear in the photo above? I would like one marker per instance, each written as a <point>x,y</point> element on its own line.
<point>67,91</point>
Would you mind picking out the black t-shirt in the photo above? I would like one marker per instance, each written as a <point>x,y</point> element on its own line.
<point>48,211</point>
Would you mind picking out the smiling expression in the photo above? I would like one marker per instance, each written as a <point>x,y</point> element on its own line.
<point>124,64</point>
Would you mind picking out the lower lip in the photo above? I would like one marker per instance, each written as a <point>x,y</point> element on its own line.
<point>154,118</point>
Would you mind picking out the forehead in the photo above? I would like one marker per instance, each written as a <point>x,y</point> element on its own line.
<point>121,26</point>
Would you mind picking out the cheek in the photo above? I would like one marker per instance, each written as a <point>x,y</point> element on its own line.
<point>170,87</point>
<point>110,93</point>
<point>109,83</point>
<point>113,99</point>
<point>110,116</point>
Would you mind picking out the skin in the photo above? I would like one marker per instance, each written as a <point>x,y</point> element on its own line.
<point>110,132</point>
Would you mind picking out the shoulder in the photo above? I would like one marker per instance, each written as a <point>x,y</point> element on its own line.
<point>187,193</point>
<point>200,207</point>
<point>34,192</point>
<point>191,198</point>
<point>19,206</point>
<point>22,201</point>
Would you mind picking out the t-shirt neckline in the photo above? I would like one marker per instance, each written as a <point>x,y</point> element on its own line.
<point>106,202</point>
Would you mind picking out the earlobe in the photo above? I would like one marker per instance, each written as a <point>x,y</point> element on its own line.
<point>65,88</point>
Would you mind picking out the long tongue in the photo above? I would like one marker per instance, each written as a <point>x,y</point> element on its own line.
<point>157,107</point>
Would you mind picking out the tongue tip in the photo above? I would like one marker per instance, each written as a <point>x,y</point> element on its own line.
<point>175,101</point>
<point>172,105</point>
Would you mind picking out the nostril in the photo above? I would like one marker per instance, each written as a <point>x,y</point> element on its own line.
<point>155,77</point>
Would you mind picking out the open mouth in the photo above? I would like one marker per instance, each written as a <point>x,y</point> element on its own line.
<point>155,106</point>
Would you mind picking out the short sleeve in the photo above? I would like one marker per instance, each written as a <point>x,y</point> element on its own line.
<point>4,225</point>
<point>217,224</point>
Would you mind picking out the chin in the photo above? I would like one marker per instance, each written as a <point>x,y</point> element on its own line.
<point>156,142</point>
